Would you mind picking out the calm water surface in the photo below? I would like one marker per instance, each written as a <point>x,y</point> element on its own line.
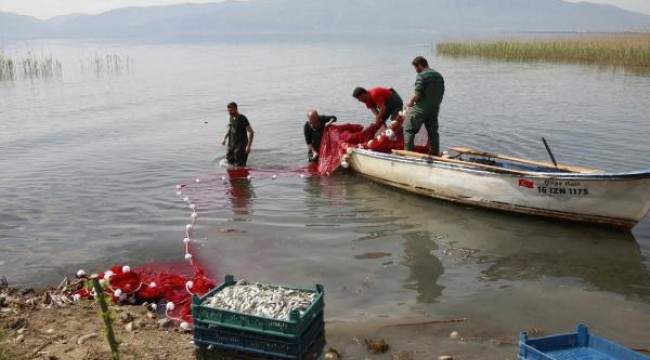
<point>90,160</point>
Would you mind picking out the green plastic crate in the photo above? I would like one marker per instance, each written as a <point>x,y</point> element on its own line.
<point>265,345</point>
<point>203,352</point>
<point>294,327</point>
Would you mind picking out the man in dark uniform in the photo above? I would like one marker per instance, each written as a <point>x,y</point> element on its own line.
<point>239,136</point>
<point>383,102</point>
<point>429,90</point>
<point>314,128</point>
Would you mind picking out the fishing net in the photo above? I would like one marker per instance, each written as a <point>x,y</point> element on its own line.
<point>172,285</point>
<point>169,286</point>
<point>337,139</point>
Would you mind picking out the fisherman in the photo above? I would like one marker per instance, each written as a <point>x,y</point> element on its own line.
<point>240,137</point>
<point>314,127</point>
<point>425,103</point>
<point>383,102</point>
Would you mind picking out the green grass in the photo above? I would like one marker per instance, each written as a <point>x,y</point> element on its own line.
<point>627,50</point>
<point>4,353</point>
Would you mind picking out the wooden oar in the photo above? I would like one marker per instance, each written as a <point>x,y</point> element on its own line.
<point>548,150</point>
<point>470,151</point>
<point>467,163</point>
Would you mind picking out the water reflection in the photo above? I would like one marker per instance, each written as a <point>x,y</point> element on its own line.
<point>425,268</point>
<point>609,261</point>
<point>321,191</point>
<point>240,192</point>
<point>478,246</point>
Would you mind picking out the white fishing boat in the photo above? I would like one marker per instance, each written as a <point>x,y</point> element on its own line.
<point>507,183</point>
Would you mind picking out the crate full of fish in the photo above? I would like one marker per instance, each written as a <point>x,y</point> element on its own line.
<point>580,345</point>
<point>259,308</point>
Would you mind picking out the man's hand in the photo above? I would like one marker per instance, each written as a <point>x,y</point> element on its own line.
<point>248,150</point>
<point>223,143</point>
<point>414,99</point>
<point>314,154</point>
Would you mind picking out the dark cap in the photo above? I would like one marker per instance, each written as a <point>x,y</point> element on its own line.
<point>358,92</point>
<point>420,60</point>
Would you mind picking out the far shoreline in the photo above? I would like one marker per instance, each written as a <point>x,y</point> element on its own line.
<point>630,50</point>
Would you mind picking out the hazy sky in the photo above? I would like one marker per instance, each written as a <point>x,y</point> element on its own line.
<point>48,8</point>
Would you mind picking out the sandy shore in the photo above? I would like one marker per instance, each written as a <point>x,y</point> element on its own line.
<point>37,325</point>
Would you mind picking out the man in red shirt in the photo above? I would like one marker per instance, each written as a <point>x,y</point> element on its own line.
<point>383,102</point>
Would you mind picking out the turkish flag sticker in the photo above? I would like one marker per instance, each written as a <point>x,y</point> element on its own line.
<point>526,183</point>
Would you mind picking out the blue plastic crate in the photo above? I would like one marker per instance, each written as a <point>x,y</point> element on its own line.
<point>259,344</point>
<point>574,346</point>
<point>293,327</point>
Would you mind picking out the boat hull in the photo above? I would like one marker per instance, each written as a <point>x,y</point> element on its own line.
<point>620,200</point>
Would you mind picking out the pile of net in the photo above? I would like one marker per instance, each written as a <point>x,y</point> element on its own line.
<point>170,284</point>
<point>337,139</point>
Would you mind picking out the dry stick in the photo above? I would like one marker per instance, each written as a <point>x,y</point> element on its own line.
<point>40,347</point>
<point>446,321</point>
<point>63,283</point>
<point>505,342</point>
<point>108,326</point>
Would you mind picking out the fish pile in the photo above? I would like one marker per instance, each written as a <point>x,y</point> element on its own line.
<point>261,300</point>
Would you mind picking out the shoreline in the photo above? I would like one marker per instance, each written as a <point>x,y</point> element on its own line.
<point>38,325</point>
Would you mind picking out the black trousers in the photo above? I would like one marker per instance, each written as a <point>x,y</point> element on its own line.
<point>237,157</point>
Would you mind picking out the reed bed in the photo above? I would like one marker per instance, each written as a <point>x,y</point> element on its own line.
<point>29,66</point>
<point>111,64</point>
<point>6,68</point>
<point>627,50</point>
<point>34,66</point>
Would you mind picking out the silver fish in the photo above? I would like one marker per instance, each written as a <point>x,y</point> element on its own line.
<point>260,300</point>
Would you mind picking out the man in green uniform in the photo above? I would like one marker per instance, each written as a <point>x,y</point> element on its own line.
<point>425,103</point>
<point>239,137</point>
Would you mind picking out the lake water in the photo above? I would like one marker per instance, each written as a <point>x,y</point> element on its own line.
<point>90,160</point>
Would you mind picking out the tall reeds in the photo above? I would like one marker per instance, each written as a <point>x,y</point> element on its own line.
<point>29,66</point>
<point>6,67</point>
<point>111,64</point>
<point>628,50</point>
<point>33,66</point>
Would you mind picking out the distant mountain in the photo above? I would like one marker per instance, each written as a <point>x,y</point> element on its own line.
<point>59,20</point>
<point>308,18</point>
<point>19,26</point>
